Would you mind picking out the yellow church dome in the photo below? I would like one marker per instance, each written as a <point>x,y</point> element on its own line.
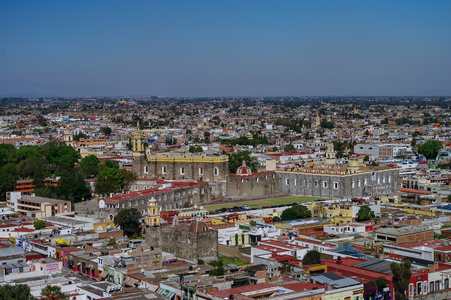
<point>354,164</point>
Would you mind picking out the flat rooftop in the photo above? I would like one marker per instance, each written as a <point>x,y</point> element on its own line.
<point>401,231</point>
<point>41,199</point>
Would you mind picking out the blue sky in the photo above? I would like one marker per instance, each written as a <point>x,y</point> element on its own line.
<point>225,48</point>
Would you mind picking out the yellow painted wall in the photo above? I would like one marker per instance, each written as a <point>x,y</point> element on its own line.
<point>345,295</point>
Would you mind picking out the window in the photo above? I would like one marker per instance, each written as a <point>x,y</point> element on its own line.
<point>353,184</point>
<point>295,182</point>
<point>316,183</point>
<point>182,170</point>
<point>383,179</point>
<point>446,283</point>
<point>163,170</point>
<point>432,287</point>
<point>336,185</point>
<point>325,184</point>
<point>216,171</point>
<point>437,286</point>
<point>358,183</point>
<point>201,171</point>
<point>411,290</point>
<point>287,181</point>
<point>146,169</point>
<point>389,179</point>
<point>364,182</point>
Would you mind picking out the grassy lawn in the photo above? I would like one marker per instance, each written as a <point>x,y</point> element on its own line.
<point>232,260</point>
<point>265,202</point>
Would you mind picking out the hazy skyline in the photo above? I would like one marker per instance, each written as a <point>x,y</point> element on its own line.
<point>225,48</point>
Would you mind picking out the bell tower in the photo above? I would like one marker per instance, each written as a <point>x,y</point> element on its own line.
<point>152,213</point>
<point>138,145</point>
<point>330,154</point>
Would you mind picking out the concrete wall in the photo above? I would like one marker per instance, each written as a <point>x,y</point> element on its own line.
<point>172,199</point>
<point>232,252</point>
<point>183,243</point>
<point>340,186</point>
<point>256,187</point>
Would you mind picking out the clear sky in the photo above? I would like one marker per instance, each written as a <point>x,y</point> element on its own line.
<point>225,48</point>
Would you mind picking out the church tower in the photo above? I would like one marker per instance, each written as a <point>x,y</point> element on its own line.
<point>318,121</point>
<point>138,145</point>
<point>152,213</point>
<point>139,165</point>
<point>330,154</point>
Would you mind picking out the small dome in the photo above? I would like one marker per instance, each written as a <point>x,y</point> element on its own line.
<point>244,170</point>
<point>354,164</point>
<point>198,226</point>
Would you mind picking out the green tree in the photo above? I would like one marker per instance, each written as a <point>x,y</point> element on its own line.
<point>34,168</point>
<point>401,276</point>
<point>9,176</point>
<point>295,212</point>
<point>16,292</point>
<point>312,257</point>
<point>106,130</point>
<point>53,292</point>
<point>38,224</point>
<point>77,137</point>
<point>90,165</point>
<point>326,124</point>
<point>365,214</point>
<point>236,160</point>
<point>381,283</point>
<point>109,180</point>
<point>193,149</point>
<point>72,185</point>
<point>129,178</point>
<point>430,148</point>
<point>48,191</point>
<point>289,148</point>
<point>59,155</point>
<point>217,271</point>
<point>128,219</point>
<point>7,154</point>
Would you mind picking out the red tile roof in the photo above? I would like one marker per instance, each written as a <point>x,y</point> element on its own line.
<point>301,286</point>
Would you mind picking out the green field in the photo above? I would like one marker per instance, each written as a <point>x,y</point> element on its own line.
<point>265,202</point>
